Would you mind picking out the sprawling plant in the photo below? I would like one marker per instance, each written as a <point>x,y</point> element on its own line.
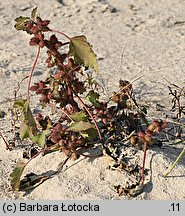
<point>84,118</point>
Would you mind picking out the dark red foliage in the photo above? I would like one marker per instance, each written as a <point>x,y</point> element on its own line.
<point>38,39</point>
<point>68,141</point>
<point>38,26</point>
<point>155,127</point>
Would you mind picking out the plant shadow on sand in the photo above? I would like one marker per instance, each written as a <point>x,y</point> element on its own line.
<point>39,179</point>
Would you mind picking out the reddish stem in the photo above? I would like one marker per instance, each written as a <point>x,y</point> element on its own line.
<point>41,151</point>
<point>71,99</point>
<point>32,70</point>
<point>90,114</point>
<point>143,168</point>
<point>38,153</point>
<point>59,32</point>
<point>74,69</point>
<point>6,143</point>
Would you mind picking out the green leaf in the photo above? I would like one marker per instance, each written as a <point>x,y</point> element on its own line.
<point>81,126</point>
<point>82,52</point>
<point>34,14</point>
<point>79,116</point>
<point>28,126</point>
<point>16,175</point>
<point>21,23</point>
<point>41,138</point>
<point>93,98</point>
<point>24,131</point>
<point>19,104</point>
<point>90,134</point>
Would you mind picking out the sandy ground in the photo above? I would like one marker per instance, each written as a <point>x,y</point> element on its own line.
<point>133,39</point>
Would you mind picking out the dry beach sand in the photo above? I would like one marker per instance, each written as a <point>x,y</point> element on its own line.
<point>142,39</point>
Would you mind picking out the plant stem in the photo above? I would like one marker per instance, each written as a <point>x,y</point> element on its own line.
<point>6,143</point>
<point>41,151</point>
<point>143,168</point>
<point>53,105</point>
<point>66,43</point>
<point>175,163</point>
<point>60,166</point>
<point>179,108</point>
<point>31,72</point>
<point>90,114</point>
<point>74,69</point>
<point>59,32</point>
<point>165,132</point>
<point>71,98</point>
<point>18,87</point>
